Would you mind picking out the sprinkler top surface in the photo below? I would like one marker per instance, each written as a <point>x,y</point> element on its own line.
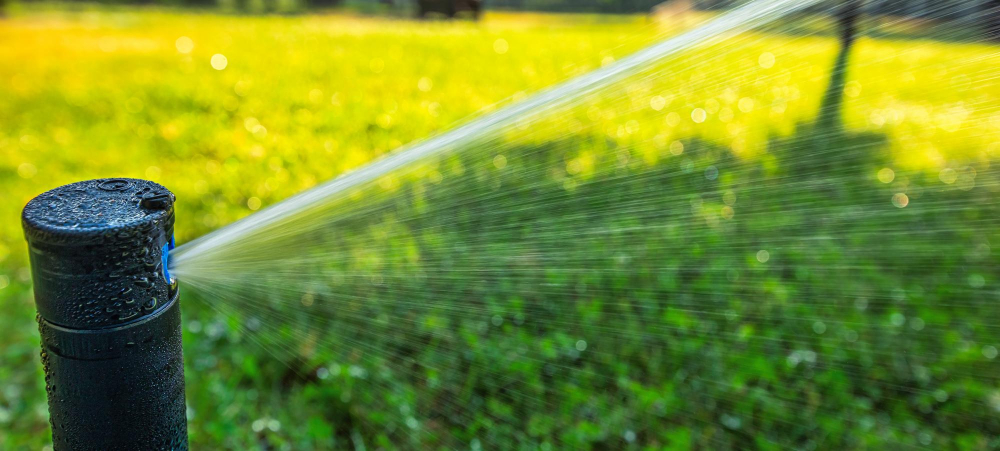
<point>98,249</point>
<point>99,211</point>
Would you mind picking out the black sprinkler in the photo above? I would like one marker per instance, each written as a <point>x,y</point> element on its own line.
<point>108,315</point>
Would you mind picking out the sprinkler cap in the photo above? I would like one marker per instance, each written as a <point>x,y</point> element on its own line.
<point>97,250</point>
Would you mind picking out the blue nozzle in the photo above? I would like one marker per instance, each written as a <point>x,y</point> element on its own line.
<point>165,255</point>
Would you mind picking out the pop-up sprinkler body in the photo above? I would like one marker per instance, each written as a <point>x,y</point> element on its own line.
<point>108,315</point>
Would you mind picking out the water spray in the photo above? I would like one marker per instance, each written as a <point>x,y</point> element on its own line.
<point>548,101</point>
<point>107,305</point>
<point>108,314</point>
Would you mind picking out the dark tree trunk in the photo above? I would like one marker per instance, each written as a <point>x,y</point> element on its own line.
<point>424,7</point>
<point>476,7</point>
<point>449,8</point>
<point>991,20</point>
<point>830,113</point>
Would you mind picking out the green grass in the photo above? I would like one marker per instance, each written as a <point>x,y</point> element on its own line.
<point>99,93</point>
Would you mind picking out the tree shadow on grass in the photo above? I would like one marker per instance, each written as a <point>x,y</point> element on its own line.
<point>825,149</point>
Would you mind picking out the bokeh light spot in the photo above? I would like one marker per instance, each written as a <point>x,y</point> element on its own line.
<point>676,148</point>
<point>766,60</point>
<point>425,84</point>
<point>184,44</point>
<point>900,200</point>
<point>886,175</point>
<point>500,161</point>
<point>728,212</point>
<point>26,170</point>
<point>219,61</point>
<point>853,89</point>
<point>657,103</point>
<point>501,46</point>
<point>948,176</point>
<point>699,115</point>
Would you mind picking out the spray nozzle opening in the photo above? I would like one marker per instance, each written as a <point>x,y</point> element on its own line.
<point>165,256</point>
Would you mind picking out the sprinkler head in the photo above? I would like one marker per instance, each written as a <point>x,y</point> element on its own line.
<point>108,314</point>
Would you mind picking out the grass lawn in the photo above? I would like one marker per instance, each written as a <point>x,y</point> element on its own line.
<point>234,113</point>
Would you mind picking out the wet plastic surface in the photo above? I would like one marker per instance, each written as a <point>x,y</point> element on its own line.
<point>108,317</point>
<point>96,251</point>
